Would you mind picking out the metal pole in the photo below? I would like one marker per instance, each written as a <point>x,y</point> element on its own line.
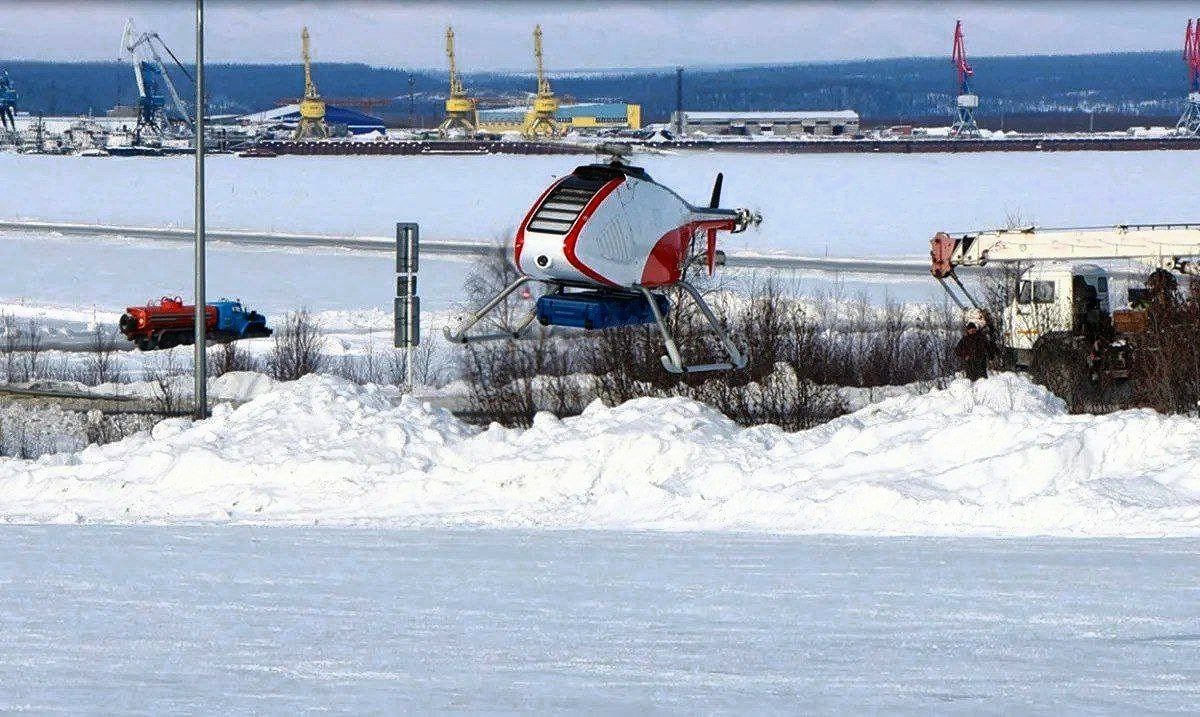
<point>200,407</point>
<point>679,101</point>
<point>409,351</point>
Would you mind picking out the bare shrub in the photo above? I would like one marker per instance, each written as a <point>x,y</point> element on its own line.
<point>797,356</point>
<point>164,375</point>
<point>297,347</point>
<point>226,357</point>
<point>1166,356</point>
<point>101,364</point>
<point>9,346</point>
<point>499,378</point>
<point>32,365</point>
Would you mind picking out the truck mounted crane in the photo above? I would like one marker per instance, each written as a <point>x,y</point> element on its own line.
<point>1061,295</point>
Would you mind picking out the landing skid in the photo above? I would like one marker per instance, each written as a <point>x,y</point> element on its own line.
<point>672,362</point>
<point>462,337</point>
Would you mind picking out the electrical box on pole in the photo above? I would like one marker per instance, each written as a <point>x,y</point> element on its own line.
<point>407,305</point>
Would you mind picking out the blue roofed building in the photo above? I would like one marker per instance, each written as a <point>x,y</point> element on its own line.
<point>354,121</point>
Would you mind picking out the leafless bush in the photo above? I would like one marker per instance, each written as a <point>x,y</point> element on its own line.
<point>500,379</point>
<point>797,356</point>
<point>164,374</point>
<point>22,348</point>
<point>9,346</point>
<point>297,348</point>
<point>1166,355</point>
<point>227,357</point>
<point>429,363</point>
<point>101,364</point>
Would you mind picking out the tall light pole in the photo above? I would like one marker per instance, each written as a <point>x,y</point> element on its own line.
<point>200,370</point>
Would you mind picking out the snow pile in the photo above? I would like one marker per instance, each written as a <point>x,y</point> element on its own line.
<point>1000,457</point>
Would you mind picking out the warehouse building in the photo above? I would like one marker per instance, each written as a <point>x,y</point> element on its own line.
<point>579,116</point>
<point>288,116</point>
<point>798,123</point>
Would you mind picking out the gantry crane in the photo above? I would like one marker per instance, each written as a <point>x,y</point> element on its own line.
<point>542,119</point>
<point>151,76</point>
<point>1189,121</point>
<point>312,107</point>
<point>1060,296</point>
<point>966,102</point>
<point>8,107</point>
<point>461,113</point>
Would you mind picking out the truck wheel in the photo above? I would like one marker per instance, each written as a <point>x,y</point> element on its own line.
<point>1060,363</point>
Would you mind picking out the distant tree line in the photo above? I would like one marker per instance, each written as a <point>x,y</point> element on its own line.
<point>1146,84</point>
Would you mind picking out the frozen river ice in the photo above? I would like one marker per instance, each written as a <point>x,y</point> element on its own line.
<point>237,619</point>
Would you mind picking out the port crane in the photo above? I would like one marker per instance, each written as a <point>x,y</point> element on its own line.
<point>461,114</point>
<point>966,102</point>
<point>1061,295</point>
<point>312,107</point>
<point>150,75</point>
<point>8,106</point>
<point>542,119</point>
<point>1189,121</point>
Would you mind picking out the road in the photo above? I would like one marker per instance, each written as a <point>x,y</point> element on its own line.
<point>885,266</point>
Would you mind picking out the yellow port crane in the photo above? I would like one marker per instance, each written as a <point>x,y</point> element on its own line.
<point>312,107</point>
<point>542,119</point>
<point>461,113</point>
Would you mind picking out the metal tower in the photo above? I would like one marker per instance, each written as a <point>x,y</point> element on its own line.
<point>460,109</point>
<point>966,102</point>
<point>312,107</point>
<point>1189,121</point>
<point>8,107</point>
<point>542,120</point>
<point>150,75</point>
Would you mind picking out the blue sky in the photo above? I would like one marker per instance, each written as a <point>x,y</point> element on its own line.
<point>588,35</point>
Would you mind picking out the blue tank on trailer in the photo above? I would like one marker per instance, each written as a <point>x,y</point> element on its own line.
<point>597,310</point>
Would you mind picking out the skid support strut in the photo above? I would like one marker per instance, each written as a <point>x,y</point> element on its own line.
<point>461,337</point>
<point>673,361</point>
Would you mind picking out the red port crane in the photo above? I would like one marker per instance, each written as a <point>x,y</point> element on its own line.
<point>966,102</point>
<point>1189,121</point>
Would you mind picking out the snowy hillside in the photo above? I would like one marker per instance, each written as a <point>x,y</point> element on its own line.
<point>1000,457</point>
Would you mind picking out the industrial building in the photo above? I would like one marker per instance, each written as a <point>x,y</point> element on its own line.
<point>289,116</point>
<point>791,123</point>
<point>580,116</point>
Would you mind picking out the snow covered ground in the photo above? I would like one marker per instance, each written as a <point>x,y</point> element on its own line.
<point>223,620</point>
<point>996,458</point>
<point>840,205</point>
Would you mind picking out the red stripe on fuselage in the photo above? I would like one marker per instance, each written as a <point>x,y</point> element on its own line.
<point>664,266</point>
<point>573,235</point>
<point>519,241</point>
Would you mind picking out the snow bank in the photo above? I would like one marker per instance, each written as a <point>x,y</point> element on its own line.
<point>1000,457</point>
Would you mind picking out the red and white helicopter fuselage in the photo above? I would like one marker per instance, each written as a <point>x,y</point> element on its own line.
<point>613,226</point>
<point>608,241</point>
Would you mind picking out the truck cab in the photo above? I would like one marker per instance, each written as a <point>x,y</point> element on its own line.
<point>1054,298</point>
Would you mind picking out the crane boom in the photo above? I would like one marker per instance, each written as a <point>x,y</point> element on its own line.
<point>1169,246</point>
<point>131,43</point>
<point>543,84</point>
<point>456,87</point>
